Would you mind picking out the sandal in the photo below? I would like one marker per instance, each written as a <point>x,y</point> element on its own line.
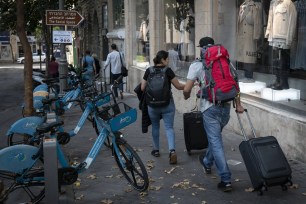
<point>155,153</point>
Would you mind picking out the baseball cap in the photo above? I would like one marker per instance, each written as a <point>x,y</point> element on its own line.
<point>206,41</point>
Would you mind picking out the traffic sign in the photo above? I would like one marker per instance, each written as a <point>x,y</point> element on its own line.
<point>61,36</point>
<point>63,17</point>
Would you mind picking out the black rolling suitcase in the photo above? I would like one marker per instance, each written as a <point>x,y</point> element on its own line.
<point>265,161</point>
<point>194,133</point>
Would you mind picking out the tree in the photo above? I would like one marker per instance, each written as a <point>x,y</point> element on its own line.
<point>28,63</point>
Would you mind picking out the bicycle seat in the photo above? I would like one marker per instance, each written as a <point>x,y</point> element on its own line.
<point>48,101</point>
<point>47,127</point>
<point>50,81</point>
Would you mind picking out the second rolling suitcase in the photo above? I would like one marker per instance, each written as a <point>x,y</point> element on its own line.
<point>265,161</point>
<point>194,133</point>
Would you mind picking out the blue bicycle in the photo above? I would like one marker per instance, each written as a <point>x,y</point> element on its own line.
<point>21,166</point>
<point>23,131</point>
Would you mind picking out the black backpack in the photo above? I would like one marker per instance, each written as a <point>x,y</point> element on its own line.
<point>158,91</point>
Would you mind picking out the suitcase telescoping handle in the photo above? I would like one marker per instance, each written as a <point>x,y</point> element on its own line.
<point>250,122</point>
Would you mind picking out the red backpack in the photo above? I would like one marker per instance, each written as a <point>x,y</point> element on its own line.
<point>220,77</point>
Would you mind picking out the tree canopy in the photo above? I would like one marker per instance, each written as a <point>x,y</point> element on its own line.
<point>34,9</point>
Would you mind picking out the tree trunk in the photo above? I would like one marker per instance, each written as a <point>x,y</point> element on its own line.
<point>28,59</point>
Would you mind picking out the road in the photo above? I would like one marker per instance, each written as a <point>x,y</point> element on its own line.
<point>11,94</point>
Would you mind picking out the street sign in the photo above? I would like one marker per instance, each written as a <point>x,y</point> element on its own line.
<point>63,17</point>
<point>61,36</point>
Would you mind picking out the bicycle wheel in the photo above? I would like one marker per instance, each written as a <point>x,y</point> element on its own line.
<point>132,167</point>
<point>18,192</point>
<point>108,140</point>
<point>16,138</point>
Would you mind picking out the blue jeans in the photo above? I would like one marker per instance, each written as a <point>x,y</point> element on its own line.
<point>214,119</point>
<point>167,114</point>
<point>88,76</point>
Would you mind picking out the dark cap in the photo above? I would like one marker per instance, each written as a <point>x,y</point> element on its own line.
<point>206,41</point>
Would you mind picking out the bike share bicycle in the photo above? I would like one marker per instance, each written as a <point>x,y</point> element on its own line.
<point>21,165</point>
<point>23,131</point>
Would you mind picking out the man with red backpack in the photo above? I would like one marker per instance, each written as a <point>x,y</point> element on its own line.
<point>218,87</point>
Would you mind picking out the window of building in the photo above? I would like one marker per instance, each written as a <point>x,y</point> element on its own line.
<point>118,13</point>
<point>180,35</point>
<point>142,52</point>
<point>266,41</point>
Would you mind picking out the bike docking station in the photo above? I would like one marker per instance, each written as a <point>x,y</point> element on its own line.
<point>50,166</point>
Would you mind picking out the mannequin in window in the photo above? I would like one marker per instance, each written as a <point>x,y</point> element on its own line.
<point>144,35</point>
<point>143,29</point>
<point>280,32</point>
<point>249,31</point>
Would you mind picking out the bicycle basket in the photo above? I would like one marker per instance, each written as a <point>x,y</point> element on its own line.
<point>119,116</point>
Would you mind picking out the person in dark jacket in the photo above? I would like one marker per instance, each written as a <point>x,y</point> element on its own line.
<point>145,119</point>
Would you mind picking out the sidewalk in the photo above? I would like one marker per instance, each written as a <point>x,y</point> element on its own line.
<point>181,183</point>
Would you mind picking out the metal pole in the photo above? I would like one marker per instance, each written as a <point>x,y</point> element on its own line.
<point>51,175</point>
<point>63,66</point>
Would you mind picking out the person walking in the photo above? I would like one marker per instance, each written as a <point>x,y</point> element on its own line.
<point>53,68</point>
<point>115,60</point>
<point>89,66</point>
<point>215,117</point>
<point>97,63</point>
<point>166,111</point>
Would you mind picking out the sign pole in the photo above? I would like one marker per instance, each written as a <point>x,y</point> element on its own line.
<point>63,66</point>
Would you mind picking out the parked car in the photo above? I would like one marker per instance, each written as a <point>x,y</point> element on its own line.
<point>36,58</point>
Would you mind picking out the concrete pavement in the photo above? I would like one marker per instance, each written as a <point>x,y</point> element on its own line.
<point>181,183</point>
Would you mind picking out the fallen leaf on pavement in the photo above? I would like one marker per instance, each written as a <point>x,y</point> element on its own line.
<point>142,194</point>
<point>150,164</point>
<point>194,186</point>
<point>203,202</point>
<point>127,190</point>
<point>237,180</point>
<point>110,176</point>
<point>249,189</point>
<point>155,188</point>
<point>170,171</point>
<point>107,201</point>
<point>304,194</point>
<point>92,176</point>
<point>184,184</point>
<point>80,197</point>
<point>77,183</point>
<point>172,196</point>
<point>294,186</point>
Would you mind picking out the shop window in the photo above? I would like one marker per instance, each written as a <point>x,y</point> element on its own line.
<point>142,52</point>
<point>180,35</point>
<point>267,43</point>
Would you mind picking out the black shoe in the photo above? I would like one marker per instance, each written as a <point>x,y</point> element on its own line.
<point>206,169</point>
<point>155,153</point>
<point>225,186</point>
<point>277,87</point>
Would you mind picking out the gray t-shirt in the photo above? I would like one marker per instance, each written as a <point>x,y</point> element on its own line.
<point>196,72</point>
